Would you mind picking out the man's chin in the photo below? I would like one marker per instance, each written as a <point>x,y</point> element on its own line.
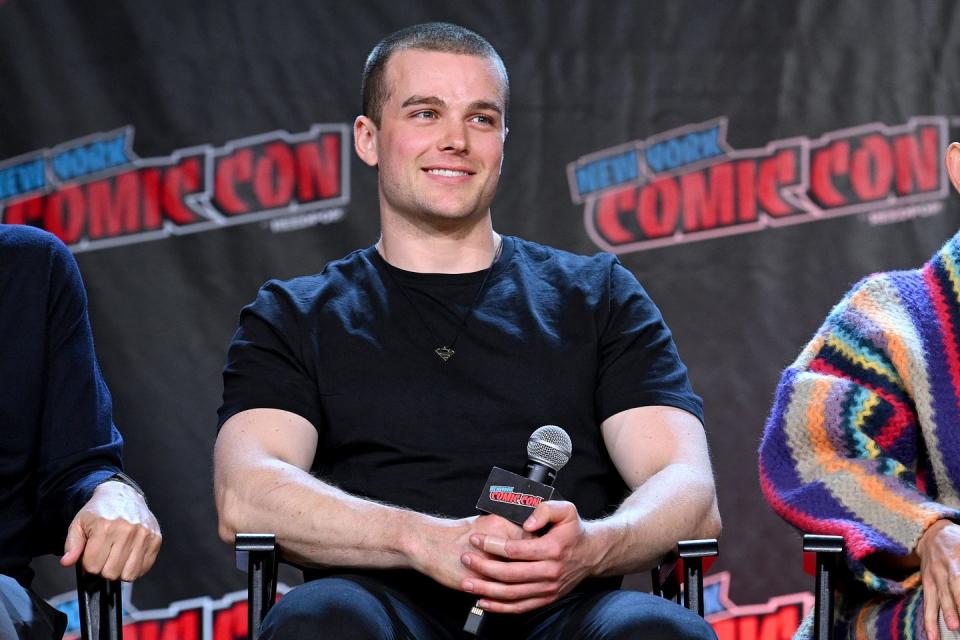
<point>453,216</point>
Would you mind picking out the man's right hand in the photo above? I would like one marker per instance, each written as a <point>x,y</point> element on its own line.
<point>939,551</point>
<point>438,553</point>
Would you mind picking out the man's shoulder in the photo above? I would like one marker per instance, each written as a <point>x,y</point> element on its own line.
<point>26,240</point>
<point>554,262</point>
<point>33,255</point>
<point>337,277</point>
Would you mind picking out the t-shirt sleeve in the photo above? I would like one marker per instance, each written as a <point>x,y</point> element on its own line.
<point>639,364</point>
<point>265,366</point>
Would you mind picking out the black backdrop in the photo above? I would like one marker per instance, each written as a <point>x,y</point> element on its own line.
<point>589,81</point>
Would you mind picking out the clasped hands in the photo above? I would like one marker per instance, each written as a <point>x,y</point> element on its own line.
<point>513,570</point>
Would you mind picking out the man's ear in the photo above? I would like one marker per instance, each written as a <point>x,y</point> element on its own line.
<point>503,155</point>
<point>365,140</point>
<point>952,160</point>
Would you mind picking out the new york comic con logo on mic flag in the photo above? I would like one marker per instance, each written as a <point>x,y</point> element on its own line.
<point>95,192</point>
<point>507,495</point>
<point>689,184</point>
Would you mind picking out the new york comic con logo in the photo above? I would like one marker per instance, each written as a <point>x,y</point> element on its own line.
<point>688,184</point>
<point>507,495</point>
<point>96,192</point>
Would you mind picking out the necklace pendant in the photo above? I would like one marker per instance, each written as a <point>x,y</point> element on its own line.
<point>444,352</point>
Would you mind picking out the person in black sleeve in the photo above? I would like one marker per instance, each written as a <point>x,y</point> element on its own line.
<point>62,486</point>
<point>364,406</point>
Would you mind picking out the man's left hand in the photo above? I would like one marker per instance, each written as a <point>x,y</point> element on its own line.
<point>537,571</point>
<point>115,534</point>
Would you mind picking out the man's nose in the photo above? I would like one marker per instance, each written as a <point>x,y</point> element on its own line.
<point>454,137</point>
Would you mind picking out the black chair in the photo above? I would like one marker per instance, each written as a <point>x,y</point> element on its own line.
<point>829,551</point>
<point>101,610</point>
<point>689,557</point>
<point>259,552</point>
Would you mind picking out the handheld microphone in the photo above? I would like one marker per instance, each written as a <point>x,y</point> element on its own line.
<point>548,450</point>
<point>515,497</point>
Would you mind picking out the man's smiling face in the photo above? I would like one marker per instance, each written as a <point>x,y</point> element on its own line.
<point>439,146</point>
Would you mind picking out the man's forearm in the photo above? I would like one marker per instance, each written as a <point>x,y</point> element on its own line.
<point>316,523</point>
<point>677,503</point>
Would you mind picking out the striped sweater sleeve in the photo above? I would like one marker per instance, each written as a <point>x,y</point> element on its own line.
<point>846,449</point>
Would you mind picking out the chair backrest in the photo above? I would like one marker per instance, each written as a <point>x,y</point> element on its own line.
<point>101,610</point>
<point>828,550</point>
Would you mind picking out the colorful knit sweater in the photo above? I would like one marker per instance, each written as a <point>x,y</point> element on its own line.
<point>864,437</point>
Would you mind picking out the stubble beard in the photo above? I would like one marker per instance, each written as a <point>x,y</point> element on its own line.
<point>421,212</point>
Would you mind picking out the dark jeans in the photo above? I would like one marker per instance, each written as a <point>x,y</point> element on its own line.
<point>361,607</point>
<point>24,615</point>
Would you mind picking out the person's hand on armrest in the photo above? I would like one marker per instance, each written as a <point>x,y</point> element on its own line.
<point>114,535</point>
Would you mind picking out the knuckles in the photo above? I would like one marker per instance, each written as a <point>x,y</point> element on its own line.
<point>138,543</point>
<point>553,573</point>
<point>110,574</point>
<point>552,550</point>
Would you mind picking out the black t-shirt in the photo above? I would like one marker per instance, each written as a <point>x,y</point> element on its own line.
<point>555,338</point>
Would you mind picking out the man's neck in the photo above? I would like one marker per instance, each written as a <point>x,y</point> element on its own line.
<point>461,250</point>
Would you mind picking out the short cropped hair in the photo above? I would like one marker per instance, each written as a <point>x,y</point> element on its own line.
<point>430,36</point>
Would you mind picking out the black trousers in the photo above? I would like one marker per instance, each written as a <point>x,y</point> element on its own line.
<point>25,615</point>
<point>363,607</point>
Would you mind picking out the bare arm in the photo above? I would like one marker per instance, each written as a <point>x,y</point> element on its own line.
<point>262,484</point>
<point>661,452</point>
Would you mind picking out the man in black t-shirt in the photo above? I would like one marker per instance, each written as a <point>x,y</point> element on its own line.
<point>364,406</point>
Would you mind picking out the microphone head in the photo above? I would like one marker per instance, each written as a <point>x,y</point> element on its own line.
<point>550,445</point>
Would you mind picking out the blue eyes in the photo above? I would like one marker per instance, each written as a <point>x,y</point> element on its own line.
<point>432,115</point>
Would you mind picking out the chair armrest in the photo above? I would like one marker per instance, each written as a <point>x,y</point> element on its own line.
<point>693,552</point>
<point>258,552</point>
<point>828,549</point>
<point>688,558</point>
<point>101,610</point>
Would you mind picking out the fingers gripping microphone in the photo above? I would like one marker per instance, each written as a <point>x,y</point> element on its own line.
<point>515,497</point>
